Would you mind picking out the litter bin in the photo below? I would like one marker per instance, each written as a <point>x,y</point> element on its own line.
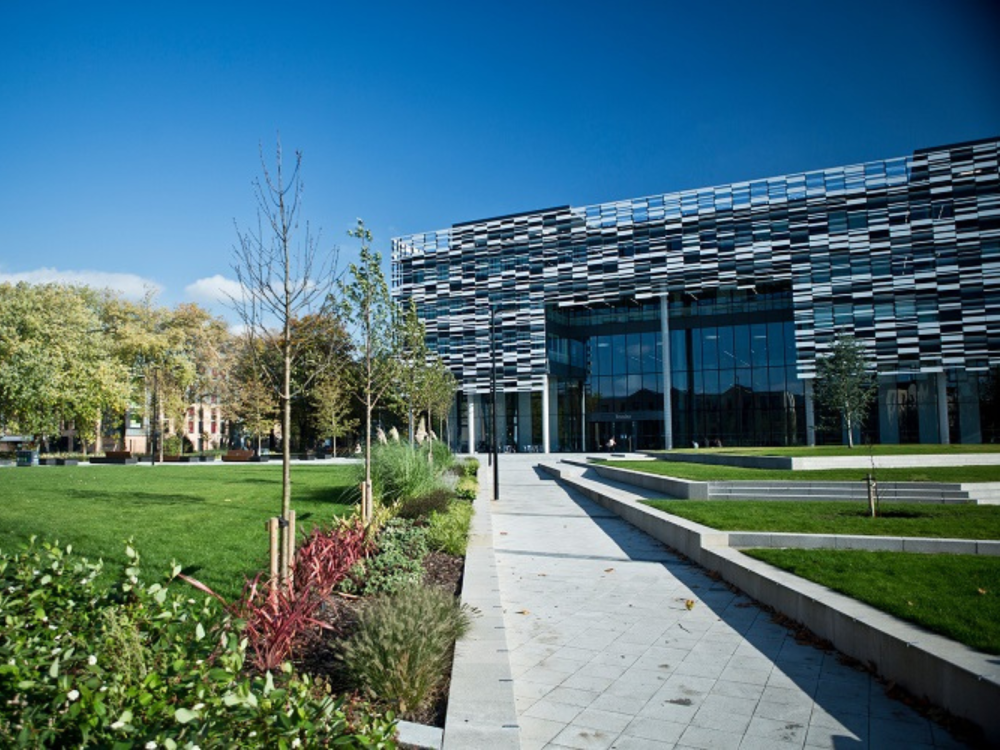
<point>27,458</point>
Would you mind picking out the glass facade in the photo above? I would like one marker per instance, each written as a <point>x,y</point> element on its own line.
<point>760,278</point>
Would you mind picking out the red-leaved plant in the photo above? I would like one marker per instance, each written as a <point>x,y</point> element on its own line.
<point>277,617</point>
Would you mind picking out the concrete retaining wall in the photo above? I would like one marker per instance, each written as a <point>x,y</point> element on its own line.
<point>669,486</point>
<point>861,461</point>
<point>949,675</point>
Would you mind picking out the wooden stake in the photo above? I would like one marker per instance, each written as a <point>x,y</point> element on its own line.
<point>272,530</point>
<point>291,548</point>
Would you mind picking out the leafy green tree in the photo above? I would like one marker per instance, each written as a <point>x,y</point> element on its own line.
<point>161,351</point>
<point>55,363</point>
<point>413,355</point>
<point>367,303</point>
<point>845,383</point>
<point>331,402</point>
<point>439,389</point>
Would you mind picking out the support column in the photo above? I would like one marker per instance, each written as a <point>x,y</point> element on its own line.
<point>942,395</point>
<point>501,422</point>
<point>888,412</point>
<point>968,409</point>
<point>472,423</point>
<point>583,416</point>
<point>668,421</point>
<point>927,413</point>
<point>524,437</point>
<point>810,413</point>
<point>545,413</point>
<point>554,445</point>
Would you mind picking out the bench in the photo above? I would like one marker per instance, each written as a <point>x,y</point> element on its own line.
<point>238,455</point>
<point>115,457</point>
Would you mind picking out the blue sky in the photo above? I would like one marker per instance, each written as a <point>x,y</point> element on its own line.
<point>129,132</point>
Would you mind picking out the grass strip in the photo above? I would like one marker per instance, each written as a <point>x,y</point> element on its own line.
<point>926,449</point>
<point>957,596</point>
<point>209,518</point>
<point>707,473</point>
<point>896,519</point>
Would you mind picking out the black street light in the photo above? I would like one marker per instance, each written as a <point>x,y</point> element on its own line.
<point>493,404</point>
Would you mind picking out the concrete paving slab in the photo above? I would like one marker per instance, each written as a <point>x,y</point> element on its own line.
<point>605,648</point>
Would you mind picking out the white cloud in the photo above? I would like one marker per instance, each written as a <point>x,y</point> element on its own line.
<point>130,285</point>
<point>213,289</point>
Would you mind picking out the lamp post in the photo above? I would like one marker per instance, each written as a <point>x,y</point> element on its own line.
<point>493,404</point>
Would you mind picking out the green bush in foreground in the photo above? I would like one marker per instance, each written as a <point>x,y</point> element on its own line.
<point>141,666</point>
<point>470,467</point>
<point>400,652</point>
<point>449,531</point>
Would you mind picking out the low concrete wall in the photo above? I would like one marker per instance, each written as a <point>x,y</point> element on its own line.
<point>725,459</point>
<point>949,675</point>
<point>670,486</point>
<point>803,463</point>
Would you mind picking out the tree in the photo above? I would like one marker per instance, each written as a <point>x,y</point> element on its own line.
<point>440,386</point>
<point>331,401</point>
<point>161,350</point>
<point>282,278</point>
<point>845,383</point>
<point>412,364</point>
<point>55,359</point>
<point>250,400</point>
<point>366,302</point>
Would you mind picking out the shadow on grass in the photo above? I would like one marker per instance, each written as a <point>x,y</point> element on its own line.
<point>335,495</point>
<point>135,498</point>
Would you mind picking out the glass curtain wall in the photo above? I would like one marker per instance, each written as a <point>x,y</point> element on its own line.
<point>733,375</point>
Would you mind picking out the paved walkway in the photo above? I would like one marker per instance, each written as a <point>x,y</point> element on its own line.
<point>614,642</point>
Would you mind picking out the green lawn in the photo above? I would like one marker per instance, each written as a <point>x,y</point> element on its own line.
<point>897,519</point>
<point>861,450</point>
<point>209,518</point>
<point>707,473</point>
<point>957,596</point>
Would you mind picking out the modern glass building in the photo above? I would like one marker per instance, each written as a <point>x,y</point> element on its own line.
<point>698,316</point>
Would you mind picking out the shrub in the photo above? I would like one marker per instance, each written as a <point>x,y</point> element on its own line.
<point>400,472</point>
<point>470,467</point>
<point>141,666</point>
<point>397,564</point>
<point>172,445</point>
<point>467,489</point>
<point>276,621</point>
<point>441,454</point>
<point>400,652</point>
<point>423,506</point>
<point>449,531</point>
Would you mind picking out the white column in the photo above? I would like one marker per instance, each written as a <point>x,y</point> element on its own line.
<point>472,423</point>
<point>545,413</point>
<point>942,393</point>
<point>810,412</point>
<point>668,421</point>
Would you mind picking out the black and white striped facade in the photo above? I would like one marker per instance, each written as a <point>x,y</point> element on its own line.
<point>903,253</point>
